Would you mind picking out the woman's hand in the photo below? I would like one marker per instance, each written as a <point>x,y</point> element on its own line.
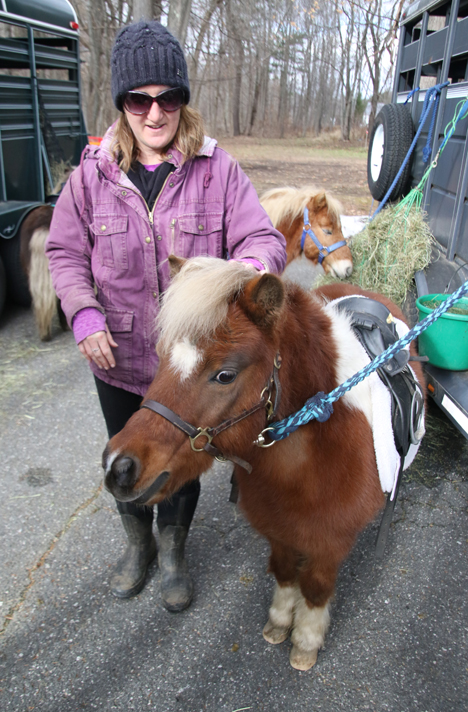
<point>97,347</point>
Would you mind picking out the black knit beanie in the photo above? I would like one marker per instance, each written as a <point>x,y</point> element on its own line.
<point>146,53</point>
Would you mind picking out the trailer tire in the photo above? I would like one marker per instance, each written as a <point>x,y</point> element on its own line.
<point>2,286</point>
<point>16,279</point>
<point>389,142</point>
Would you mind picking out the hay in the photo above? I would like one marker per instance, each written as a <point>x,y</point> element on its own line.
<point>388,252</point>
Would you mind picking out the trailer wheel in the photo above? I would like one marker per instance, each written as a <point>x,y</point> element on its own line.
<point>390,139</point>
<point>16,279</point>
<point>2,286</point>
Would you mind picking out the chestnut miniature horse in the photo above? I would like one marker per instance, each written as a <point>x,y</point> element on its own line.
<point>233,346</point>
<point>286,210</point>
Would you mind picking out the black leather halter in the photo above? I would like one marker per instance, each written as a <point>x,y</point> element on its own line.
<point>210,433</point>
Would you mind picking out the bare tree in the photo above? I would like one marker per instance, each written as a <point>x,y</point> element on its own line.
<point>268,67</point>
<point>178,18</point>
<point>380,34</point>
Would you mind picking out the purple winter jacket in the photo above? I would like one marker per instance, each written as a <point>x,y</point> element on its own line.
<point>107,250</point>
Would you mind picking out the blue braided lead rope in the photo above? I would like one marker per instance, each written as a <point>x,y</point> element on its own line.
<point>320,407</point>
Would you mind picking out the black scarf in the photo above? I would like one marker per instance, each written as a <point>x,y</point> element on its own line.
<point>149,183</point>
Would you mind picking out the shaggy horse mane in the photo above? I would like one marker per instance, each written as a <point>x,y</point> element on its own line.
<point>281,203</point>
<point>197,299</point>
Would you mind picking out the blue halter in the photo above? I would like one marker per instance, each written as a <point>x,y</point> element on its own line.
<point>323,251</point>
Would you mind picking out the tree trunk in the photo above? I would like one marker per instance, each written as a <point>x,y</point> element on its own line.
<point>142,10</point>
<point>178,18</point>
<point>95,15</point>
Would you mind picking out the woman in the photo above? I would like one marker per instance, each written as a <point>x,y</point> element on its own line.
<point>155,186</point>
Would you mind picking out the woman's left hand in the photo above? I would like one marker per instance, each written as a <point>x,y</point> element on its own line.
<point>97,348</point>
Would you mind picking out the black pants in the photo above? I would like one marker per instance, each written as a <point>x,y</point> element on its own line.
<point>117,407</point>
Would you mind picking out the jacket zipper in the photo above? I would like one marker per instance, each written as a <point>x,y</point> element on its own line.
<point>150,212</point>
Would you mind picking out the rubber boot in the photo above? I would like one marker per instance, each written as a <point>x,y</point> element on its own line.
<point>174,519</point>
<point>130,573</point>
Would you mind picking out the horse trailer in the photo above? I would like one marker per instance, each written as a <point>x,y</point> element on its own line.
<point>42,130</point>
<point>433,50</point>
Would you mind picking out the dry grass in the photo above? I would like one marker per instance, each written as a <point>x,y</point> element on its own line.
<point>297,150</point>
<point>327,162</point>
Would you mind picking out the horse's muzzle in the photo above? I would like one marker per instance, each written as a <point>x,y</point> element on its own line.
<point>121,475</point>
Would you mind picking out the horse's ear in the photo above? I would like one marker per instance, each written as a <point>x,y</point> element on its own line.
<point>175,264</point>
<point>262,299</point>
<point>320,201</point>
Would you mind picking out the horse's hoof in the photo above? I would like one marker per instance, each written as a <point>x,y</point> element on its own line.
<point>275,634</point>
<point>302,659</point>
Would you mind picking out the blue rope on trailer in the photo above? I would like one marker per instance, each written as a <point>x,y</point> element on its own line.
<point>427,150</point>
<point>320,407</point>
<point>412,92</point>
<point>431,101</point>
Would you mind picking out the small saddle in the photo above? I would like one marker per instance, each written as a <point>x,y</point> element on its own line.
<point>375,328</point>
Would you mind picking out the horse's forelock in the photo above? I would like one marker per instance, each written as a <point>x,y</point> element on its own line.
<point>288,202</point>
<point>197,300</point>
<point>335,209</point>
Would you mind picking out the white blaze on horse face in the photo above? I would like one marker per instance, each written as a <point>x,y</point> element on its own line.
<point>185,357</point>
<point>110,460</point>
<point>341,269</point>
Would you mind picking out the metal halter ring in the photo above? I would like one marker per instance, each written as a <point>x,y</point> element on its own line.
<point>201,431</point>
<point>260,441</point>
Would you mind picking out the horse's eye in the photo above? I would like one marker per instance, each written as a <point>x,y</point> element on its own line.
<point>225,377</point>
<point>327,232</point>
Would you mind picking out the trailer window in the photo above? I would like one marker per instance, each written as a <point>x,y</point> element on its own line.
<point>458,71</point>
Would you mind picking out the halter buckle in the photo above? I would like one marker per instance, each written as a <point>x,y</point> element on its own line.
<point>201,431</point>
<point>268,405</point>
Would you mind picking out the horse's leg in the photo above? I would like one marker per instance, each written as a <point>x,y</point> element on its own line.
<point>283,564</point>
<point>311,615</point>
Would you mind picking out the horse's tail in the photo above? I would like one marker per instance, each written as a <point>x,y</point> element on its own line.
<point>42,291</point>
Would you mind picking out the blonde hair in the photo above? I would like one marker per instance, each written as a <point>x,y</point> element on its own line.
<point>197,299</point>
<point>287,202</point>
<point>188,139</point>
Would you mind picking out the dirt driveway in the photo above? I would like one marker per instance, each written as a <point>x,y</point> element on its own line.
<point>339,168</point>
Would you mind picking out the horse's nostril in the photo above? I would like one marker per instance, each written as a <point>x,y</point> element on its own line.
<point>123,470</point>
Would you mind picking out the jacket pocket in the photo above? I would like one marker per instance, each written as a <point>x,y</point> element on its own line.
<point>120,323</point>
<point>111,240</point>
<point>200,234</point>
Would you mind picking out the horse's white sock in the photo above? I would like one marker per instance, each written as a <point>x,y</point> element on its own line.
<point>310,625</point>
<point>282,606</point>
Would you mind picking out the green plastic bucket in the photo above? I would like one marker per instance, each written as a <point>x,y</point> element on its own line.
<point>445,342</point>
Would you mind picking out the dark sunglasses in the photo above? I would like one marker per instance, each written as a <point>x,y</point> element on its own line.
<point>137,102</point>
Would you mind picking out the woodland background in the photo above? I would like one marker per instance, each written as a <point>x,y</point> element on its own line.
<point>262,68</point>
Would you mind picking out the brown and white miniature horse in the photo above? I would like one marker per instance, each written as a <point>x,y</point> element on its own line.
<point>222,329</point>
<point>285,208</point>
<point>34,231</point>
